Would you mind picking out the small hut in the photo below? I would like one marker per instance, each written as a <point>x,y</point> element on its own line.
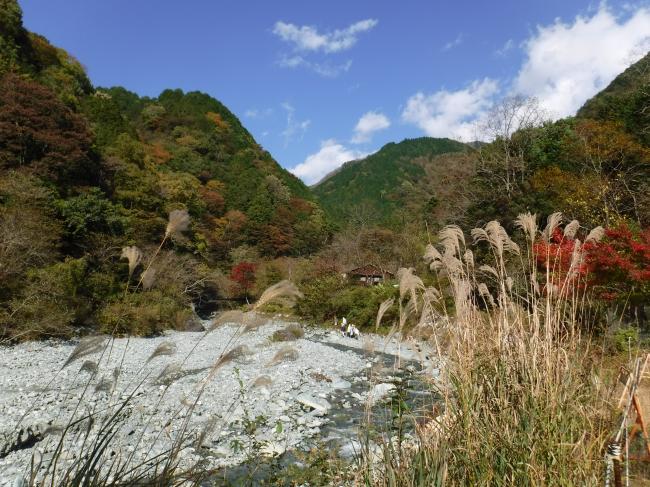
<point>369,275</point>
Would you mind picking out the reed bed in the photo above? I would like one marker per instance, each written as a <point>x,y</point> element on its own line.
<point>524,402</point>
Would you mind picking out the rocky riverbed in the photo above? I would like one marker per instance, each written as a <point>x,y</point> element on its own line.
<point>269,396</point>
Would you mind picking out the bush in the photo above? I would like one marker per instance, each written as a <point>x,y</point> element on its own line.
<point>148,313</point>
<point>91,212</point>
<point>332,296</point>
<point>360,304</point>
<point>289,333</point>
<point>29,231</point>
<point>51,303</point>
<point>319,294</point>
<point>625,338</point>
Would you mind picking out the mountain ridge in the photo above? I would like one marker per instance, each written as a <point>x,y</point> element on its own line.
<point>377,178</point>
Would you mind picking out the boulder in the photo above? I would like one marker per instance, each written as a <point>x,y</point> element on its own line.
<point>380,392</point>
<point>312,402</point>
<point>341,384</point>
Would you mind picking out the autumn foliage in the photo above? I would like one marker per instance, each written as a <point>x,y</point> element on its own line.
<point>619,267</point>
<point>243,275</point>
<point>615,268</point>
<point>39,132</point>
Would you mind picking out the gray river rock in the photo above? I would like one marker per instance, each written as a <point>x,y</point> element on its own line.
<point>312,394</point>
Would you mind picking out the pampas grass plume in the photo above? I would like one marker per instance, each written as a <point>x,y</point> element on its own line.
<point>170,373</point>
<point>262,381</point>
<point>89,366</point>
<point>87,346</point>
<point>148,278</point>
<point>554,219</point>
<point>179,221</point>
<point>596,235</point>
<point>133,255</point>
<point>283,289</point>
<point>231,316</point>
<point>408,281</point>
<point>253,320</point>
<point>571,229</point>
<point>232,354</point>
<point>528,223</point>
<point>165,348</point>
<point>229,356</point>
<point>452,237</point>
<point>285,354</point>
<point>431,254</point>
<point>383,307</point>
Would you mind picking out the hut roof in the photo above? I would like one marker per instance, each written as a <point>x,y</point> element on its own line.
<point>369,270</point>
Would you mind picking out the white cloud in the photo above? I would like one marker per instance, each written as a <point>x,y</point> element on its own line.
<point>325,69</point>
<point>368,124</point>
<point>451,44</point>
<point>307,38</point>
<point>567,63</point>
<point>255,113</point>
<point>331,156</point>
<point>295,128</point>
<point>451,113</point>
<point>505,49</point>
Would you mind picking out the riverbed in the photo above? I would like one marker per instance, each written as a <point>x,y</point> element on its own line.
<point>272,396</point>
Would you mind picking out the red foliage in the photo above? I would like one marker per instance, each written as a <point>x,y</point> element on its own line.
<point>617,267</point>
<point>214,201</point>
<point>556,254</point>
<point>37,130</point>
<point>280,239</point>
<point>243,274</point>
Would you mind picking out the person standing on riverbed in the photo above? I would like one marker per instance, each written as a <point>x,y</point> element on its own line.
<point>352,331</point>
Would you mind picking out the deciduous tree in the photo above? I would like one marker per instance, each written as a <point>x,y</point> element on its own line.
<point>39,132</point>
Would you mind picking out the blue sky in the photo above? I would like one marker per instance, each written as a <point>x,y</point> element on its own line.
<point>319,83</point>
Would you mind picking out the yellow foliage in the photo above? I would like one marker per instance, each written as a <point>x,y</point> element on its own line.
<point>217,120</point>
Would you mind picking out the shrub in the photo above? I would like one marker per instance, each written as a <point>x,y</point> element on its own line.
<point>289,333</point>
<point>319,293</point>
<point>51,303</point>
<point>332,296</point>
<point>29,231</point>
<point>147,313</point>
<point>625,338</point>
<point>91,212</point>
<point>243,275</point>
<point>360,303</point>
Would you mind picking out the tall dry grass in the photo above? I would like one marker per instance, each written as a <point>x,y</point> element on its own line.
<point>523,400</point>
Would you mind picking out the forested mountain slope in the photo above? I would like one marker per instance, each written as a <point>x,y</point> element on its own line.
<point>86,171</point>
<point>625,100</point>
<point>387,184</point>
